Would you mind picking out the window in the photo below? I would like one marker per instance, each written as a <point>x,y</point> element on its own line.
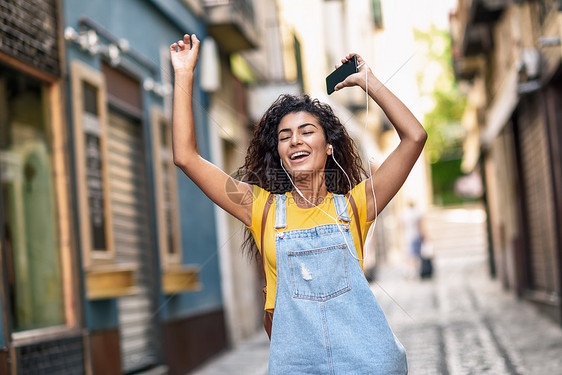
<point>376,7</point>
<point>298,61</point>
<point>176,276</point>
<point>88,91</point>
<point>31,226</point>
<point>166,193</point>
<point>547,7</point>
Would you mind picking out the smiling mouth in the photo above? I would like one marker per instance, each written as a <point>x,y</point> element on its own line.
<point>299,155</point>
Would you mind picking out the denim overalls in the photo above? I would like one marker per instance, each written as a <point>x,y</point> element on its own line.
<point>327,320</point>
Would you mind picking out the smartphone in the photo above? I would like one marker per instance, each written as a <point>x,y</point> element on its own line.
<point>341,74</point>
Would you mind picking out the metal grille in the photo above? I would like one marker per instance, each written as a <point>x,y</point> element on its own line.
<point>57,357</point>
<point>133,240</point>
<point>28,32</point>
<point>539,198</point>
<point>546,7</point>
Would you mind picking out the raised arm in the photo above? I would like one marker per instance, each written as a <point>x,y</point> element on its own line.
<point>390,176</point>
<point>225,191</point>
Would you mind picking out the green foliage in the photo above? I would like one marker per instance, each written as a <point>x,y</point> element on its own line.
<point>443,126</point>
<point>444,174</point>
<point>443,122</point>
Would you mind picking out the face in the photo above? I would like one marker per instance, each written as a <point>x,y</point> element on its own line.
<point>301,143</point>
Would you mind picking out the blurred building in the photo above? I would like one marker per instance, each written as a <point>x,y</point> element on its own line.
<point>112,260</point>
<point>40,287</point>
<point>248,74</point>
<point>509,55</point>
<point>320,34</point>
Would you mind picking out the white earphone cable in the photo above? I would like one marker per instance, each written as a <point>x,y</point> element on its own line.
<point>369,160</point>
<point>348,179</point>
<point>333,218</point>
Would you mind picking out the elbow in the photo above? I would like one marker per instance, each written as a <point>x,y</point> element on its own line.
<point>421,137</point>
<point>183,162</point>
<point>179,162</point>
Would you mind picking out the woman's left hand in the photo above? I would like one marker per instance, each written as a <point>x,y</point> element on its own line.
<point>356,79</point>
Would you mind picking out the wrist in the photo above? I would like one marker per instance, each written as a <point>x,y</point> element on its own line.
<point>374,84</point>
<point>366,81</point>
<point>183,74</point>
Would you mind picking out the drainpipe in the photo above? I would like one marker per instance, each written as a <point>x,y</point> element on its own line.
<point>491,257</point>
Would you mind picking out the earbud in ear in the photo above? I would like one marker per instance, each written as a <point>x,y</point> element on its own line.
<point>331,147</point>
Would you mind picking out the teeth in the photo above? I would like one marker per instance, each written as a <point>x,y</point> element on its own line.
<point>297,154</point>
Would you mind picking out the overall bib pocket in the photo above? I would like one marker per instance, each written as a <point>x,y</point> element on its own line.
<point>319,274</point>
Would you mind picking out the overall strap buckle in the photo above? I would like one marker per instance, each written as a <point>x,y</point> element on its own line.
<point>341,208</point>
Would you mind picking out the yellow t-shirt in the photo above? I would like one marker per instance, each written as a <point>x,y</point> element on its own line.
<point>301,218</point>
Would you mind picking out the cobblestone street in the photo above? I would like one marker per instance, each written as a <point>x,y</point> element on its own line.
<point>458,322</point>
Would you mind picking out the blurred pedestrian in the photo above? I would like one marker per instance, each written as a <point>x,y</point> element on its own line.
<point>412,237</point>
<point>426,258</point>
<point>326,319</point>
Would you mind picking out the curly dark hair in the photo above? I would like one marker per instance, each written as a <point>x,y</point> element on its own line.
<point>262,165</point>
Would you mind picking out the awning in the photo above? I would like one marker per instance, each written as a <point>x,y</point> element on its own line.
<point>501,109</point>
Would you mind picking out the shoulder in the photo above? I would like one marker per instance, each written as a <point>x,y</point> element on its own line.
<point>358,193</point>
<point>259,200</point>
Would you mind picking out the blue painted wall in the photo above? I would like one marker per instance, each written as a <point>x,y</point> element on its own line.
<point>149,26</point>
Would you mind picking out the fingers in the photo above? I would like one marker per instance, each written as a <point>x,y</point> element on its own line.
<point>184,43</point>
<point>188,42</point>
<point>339,86</point>
<point>350,55</point>
<point>195,43</point>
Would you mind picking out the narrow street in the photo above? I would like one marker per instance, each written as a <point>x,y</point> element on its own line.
<point>458,322</point>
<point>461,322</point>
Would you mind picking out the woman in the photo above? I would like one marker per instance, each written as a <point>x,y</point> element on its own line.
<point>326,319</point>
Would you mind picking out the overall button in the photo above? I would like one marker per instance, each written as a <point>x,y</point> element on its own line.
<point>280,235</point>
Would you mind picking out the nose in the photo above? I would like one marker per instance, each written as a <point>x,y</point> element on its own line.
<point>296,139</point>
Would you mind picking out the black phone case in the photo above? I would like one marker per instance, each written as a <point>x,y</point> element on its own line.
<point>341,74</point>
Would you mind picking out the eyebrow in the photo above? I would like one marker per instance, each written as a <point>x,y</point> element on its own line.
<point>300,126</point>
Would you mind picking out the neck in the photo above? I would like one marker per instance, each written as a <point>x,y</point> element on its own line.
<point>312,187</point>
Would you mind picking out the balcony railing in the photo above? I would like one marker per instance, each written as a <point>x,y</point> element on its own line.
<point>232,24</point>
<point>471,31</point>
<point>486,11</point>
<point>474,19</point>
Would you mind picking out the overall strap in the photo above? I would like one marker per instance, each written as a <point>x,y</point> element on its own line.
<point>341,208</point>
<point>356,216</point>
<point>280,212</point>
<point>268,316</point>
<point>280,222</point>
<point>263,220</point>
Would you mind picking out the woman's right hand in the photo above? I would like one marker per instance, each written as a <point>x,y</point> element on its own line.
<point>184,54</point>
<point>225,191</point>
